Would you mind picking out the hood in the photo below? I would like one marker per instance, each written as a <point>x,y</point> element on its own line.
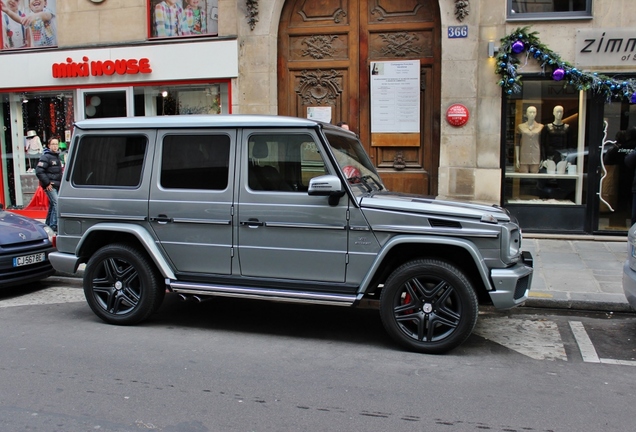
<point>432,206</point>
<point>16,229</point>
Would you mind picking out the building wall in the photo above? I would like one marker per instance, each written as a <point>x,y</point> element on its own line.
<point>81,22</point>
<point>469,156</point>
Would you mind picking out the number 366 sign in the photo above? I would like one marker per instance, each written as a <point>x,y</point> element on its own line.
<point>458,31</point>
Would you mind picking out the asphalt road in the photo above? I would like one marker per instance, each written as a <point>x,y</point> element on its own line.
<point>235,365</point>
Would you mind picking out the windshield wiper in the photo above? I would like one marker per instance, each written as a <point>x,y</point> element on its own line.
<point>363,180</point>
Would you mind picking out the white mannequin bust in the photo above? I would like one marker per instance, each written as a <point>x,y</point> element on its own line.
<point>528,145</point>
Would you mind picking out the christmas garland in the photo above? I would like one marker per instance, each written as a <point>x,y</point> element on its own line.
<point>521,40</point>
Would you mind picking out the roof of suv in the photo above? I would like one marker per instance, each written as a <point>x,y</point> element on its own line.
<point>195,121</point>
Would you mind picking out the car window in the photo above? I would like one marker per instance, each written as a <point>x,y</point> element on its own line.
<point>115,161</point>
<point>283,162</point>
<point>195,162</point>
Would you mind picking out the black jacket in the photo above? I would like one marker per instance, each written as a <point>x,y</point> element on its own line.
<point>49,169</point>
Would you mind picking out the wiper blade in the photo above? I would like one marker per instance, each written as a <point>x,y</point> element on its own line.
<point>364,181</point>
<point>379,185</point>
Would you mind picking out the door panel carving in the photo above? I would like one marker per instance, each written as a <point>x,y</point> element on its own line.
<point>400,45</point>
<point>319,47</point>
<point>325,51</point>
<point>314,11</point>
<point>398,11</point>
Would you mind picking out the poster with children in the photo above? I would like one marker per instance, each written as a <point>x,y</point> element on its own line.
<point>28,24</point>
<point>174,18</point>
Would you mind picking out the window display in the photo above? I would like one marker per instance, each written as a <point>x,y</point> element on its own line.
<point>544,159</point>
<point>179,18</point>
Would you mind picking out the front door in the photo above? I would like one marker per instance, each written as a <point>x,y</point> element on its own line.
<point>283,232</point>
<point>325,53</point>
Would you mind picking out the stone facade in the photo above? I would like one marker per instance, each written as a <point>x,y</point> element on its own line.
<point>469,156</point>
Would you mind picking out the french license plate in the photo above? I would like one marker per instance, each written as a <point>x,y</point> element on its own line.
<point>29,259</point>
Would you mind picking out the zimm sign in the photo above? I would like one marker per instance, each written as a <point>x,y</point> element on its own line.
<point>606,47</point>
<point>72,69</point>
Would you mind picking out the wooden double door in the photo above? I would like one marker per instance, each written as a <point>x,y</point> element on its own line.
<point>325,51</point>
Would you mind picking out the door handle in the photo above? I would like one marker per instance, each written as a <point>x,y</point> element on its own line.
<point>252,223</point>
<point>161,219</point>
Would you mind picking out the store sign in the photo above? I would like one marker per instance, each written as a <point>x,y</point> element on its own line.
<point>606,47</point>
<point>72,69</point>
<point>457,115</point>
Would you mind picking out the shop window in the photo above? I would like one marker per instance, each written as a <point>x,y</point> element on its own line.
<point>615,190</point>
<point>41,31</point>
<point>183,18</point>
<point>109,161</point>
<point>195,162</point>
<point>545,157</point>
<point>549,9</point>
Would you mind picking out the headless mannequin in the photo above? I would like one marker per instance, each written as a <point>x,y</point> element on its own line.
<point>528,148</point>
<point>555,137</point>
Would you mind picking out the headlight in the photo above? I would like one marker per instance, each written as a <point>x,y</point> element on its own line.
<point>49,232</point>
<point>510,243</point>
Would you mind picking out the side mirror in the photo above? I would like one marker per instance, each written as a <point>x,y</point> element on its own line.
<point>327,185</point>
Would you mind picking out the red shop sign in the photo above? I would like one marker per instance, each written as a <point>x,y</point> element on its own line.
<point>457,115</point>
<point>85,68</point>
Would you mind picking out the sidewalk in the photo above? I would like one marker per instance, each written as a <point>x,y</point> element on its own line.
<point>580,273</point>
<point>577,272</point>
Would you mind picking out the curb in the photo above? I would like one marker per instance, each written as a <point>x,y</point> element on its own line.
<point>578,305</point>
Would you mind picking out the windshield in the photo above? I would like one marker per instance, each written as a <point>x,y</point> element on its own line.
<point>354,161</point>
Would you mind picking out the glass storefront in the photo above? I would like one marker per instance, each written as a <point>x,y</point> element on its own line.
<point>545,155</point>
<point>30,119</point>
<point>560,175</point>
<point>616,182</point>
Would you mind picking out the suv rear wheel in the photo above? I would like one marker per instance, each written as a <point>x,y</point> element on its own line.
<point>121,285</point>
<point>428,306</point>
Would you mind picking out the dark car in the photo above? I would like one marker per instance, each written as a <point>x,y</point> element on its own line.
<point>25,245</point>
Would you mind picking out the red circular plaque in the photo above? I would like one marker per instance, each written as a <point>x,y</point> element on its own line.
<point>457,115</point>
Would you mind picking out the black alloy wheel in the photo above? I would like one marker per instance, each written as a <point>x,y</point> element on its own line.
<point>428,306</point>
<point>122,285</point>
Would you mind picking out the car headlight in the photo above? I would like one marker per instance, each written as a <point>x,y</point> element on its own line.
<point>49,232</point>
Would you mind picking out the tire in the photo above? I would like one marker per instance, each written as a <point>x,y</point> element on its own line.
<point>122,286</point>
<point>428,306</point>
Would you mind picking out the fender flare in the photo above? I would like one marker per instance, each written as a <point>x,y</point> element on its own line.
<point>141,234</point>
<point>483,270</point>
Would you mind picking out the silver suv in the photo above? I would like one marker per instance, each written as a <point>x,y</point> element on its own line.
<point>274,208</point>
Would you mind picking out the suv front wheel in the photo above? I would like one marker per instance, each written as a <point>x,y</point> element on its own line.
<point>121,285</point>
<point>428,306</point>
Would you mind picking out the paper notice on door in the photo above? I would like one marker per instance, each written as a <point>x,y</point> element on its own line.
<point>395,96</point>
<point>321,113</point>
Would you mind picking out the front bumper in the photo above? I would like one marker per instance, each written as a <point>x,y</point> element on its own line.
<point>512,284</point>
<point>64,262</point>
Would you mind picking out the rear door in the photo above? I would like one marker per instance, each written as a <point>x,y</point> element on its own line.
<point>191,196</point>
<point>284,233</point>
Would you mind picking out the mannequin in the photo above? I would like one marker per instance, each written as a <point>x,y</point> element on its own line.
<point>555,137</point>
<point>528,147</point>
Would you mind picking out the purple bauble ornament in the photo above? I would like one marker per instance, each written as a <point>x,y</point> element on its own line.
<point>558,74</point>
<point>517,47</point>
<point>634,98</point>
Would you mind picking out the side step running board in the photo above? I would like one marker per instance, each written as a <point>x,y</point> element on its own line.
<point>263,294</point>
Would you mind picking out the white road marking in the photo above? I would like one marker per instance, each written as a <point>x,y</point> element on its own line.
<point>46,296</point>
<point>588,352</point>
<point>539,340</point>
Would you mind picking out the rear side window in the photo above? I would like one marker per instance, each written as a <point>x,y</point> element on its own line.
<point>195,162</point>
<point>115,161</point>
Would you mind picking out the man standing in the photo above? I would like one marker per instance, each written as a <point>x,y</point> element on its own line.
<point>49,172</point>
